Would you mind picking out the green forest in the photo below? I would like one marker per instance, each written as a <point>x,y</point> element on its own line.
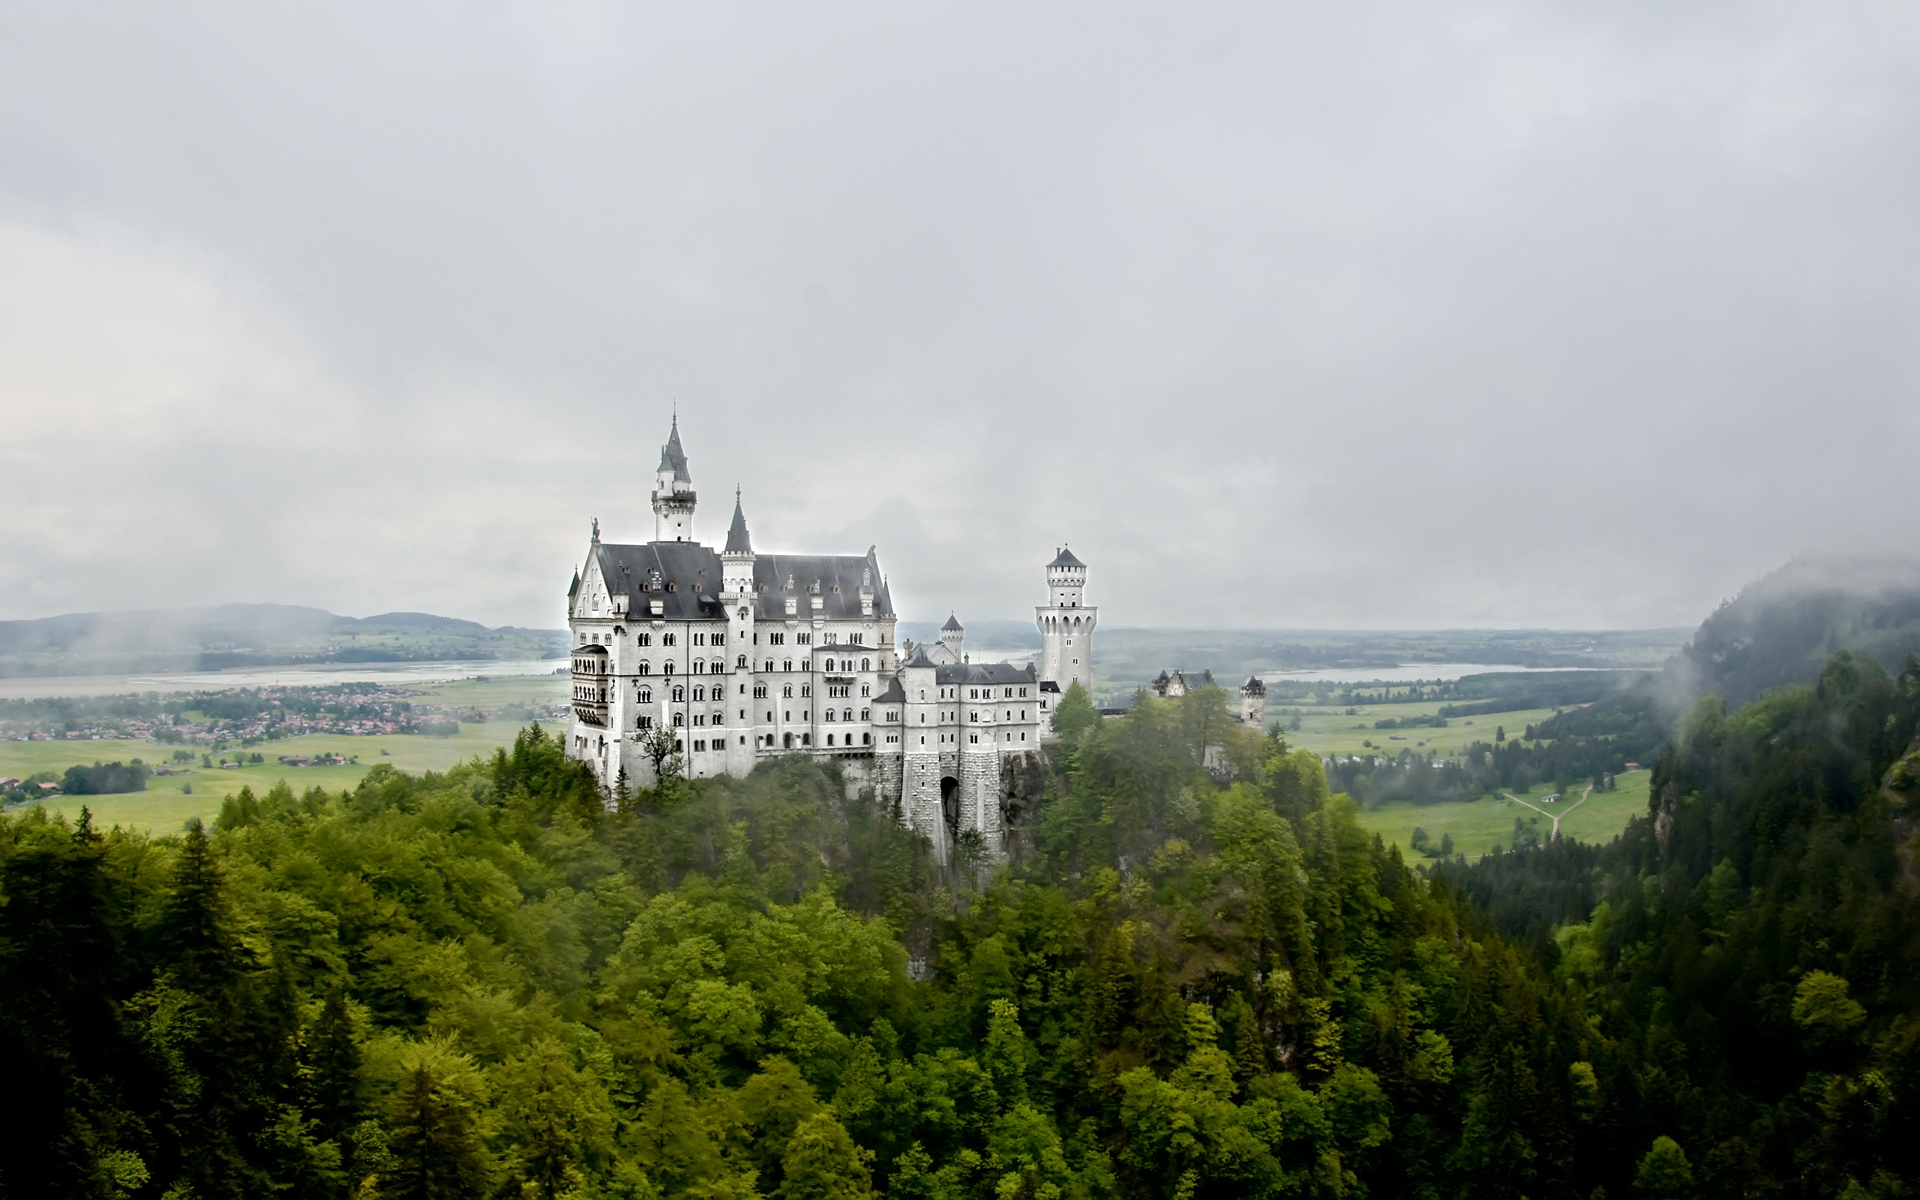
<point>500,982</point>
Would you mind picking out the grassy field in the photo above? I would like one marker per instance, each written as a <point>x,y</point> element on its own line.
<point>1478,825</point>
<point>1333,731</point>
<point>166,807</point>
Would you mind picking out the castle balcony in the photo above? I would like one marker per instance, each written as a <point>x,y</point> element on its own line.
<point>592,681</point>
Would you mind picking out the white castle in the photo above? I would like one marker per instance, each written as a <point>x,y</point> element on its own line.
<point>746,656</point>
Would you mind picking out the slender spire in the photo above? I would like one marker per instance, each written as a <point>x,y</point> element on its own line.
<point>737,540</point>
<point>672,457</point>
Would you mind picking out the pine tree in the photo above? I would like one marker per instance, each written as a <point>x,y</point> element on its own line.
<point>822,1163</point>
<point>434,1155</point>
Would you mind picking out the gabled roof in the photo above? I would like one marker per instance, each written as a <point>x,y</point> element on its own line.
<point>918,658</point>
<point>894,692</point>
<point>1000,672</point>
<point>737,540</point>
<point>953,623</point>
<point>1066,559</point>
<point>672,457</point>
<point>690,565</point>
<point>573,589</point>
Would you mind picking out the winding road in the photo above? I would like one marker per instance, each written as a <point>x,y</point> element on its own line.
<point>1554,817</point>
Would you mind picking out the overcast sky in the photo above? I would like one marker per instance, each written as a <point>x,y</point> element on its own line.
<point>1311,315</point>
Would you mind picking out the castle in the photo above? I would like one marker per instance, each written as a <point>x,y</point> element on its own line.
<point>744,656</point>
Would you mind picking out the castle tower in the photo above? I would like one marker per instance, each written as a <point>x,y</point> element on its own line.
<point>953,637</point>
<point>1253,703</point>
<point>673,496</point>
<point>1066,626</point>
<point>736,598</point>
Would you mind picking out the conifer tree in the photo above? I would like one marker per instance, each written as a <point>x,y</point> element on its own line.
<point>432,1144</point>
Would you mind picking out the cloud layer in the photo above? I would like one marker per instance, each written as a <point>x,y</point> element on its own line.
<point>1372,315</point>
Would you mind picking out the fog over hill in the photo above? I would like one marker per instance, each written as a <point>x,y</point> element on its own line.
<point>242,635</point>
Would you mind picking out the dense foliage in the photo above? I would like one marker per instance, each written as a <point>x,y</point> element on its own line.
<point>1750,952</point>
<point>1198,977</point>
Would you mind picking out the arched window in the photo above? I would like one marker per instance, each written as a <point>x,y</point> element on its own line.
<point>829,739</point>
<point>699,667</point>
<point>829,714</point>
<point>679,719</point>
<point>666,639</point>
<point>679,695</point>
<point>846,714</point>
<point>787,690</point>
<point>866,739</point>
<point>866,664</point>
<point>866,714</point>
<point>645,696</point>
<point>786,664</point>
<point>646,639</point>
<point>741,663</point>
<point>646,668</point>
<point>668,669</point>
<point>769,664</point>
<point>699,693</point>
<point>743,614</point>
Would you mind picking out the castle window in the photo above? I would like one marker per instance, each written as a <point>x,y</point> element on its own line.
<point>667,669</point>
<point>699,745</point>
<point>759,691</point>
<point>671,585</point>
<point>769,664</point>
<point>666,639</point>
<point>829,715</point>
<point>787,691</point>
<point>743,614</point>
<point>679,719</point>
<point>719,639</point>
<point>806,689</point>
<point>866,664</point>
<point>829,737</point>
<point>866,689</point>
<point>846,714</point>
<point>1023,693</point>
<point>699,693</point>
<point>699,639</point>
<point>741,662</point>
<point>786,664</point>
<point>806,739</point>
<point>866,739</point>
<point>699,667</point>
<point>804,639</point>
<point>856,638</point>
<point>699,718</point>
<point>645,639</point>
<point>831,638</point>
<point>866,714</point>
<point>776,639</point>
<point>644,695</point>
<point>646,722</point>
<point>677,745</point>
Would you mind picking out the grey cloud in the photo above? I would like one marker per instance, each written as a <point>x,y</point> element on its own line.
<point>1388,315</point>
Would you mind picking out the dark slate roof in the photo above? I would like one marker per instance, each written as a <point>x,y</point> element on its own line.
<point>953,622</point>
<point>573,589</point>
<point>737,540</point>
<point>672,456</point>
<point>1255,685</point>
<point>773,571</point>
<point>894,692</point>
<point>626,567</point>
<point>1000,672</point>
<point>919,658</point>
<point>1066,559</point>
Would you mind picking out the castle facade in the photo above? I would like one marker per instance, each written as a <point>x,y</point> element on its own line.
<point>740,656</point>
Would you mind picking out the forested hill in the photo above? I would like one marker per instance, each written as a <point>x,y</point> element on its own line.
<point>242,635</point>
<point>1750,950</point>
<point>478,984</point>
<point>1783,626</point>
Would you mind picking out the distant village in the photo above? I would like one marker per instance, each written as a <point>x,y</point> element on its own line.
<point>249,716</point>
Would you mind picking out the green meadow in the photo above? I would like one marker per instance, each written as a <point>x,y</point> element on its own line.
<point>1479,825</point>
<point>166,806</point>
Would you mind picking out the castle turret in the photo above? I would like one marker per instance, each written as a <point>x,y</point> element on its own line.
<point>736,561</point>
<point>1253,702</point>
<point>673,496</point>
<point>953,638</point>
<point>1066,626</point>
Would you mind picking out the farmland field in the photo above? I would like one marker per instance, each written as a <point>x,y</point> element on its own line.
<point>1479,825</point>
<point>166,807</point>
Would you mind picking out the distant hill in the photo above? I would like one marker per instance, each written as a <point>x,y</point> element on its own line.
<point>1783,626</point>
<point>244,635</point>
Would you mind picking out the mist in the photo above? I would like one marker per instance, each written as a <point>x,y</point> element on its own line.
<point>1284,316</point>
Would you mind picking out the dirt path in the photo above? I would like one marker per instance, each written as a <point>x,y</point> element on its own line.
<point>1551,816</point>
